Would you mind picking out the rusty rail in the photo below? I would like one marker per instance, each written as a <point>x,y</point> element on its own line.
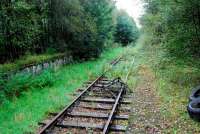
<point>62,113</point>
<point>55,121</point>
<point>108,123</point>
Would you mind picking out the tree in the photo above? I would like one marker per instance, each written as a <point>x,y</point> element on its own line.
<point>175,24</point>
<point>19,29</point>
<point>102,13</point>
<point>126,29</point>
<point>79,27</point>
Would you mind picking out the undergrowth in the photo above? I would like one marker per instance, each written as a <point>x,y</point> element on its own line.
<point>47,93</point>
<point>175,77</point>
<point>19,83</point>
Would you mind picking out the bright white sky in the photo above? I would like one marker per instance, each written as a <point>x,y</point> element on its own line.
<point>133,7</point>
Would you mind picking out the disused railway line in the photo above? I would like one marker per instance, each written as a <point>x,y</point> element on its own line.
<point>99,108</point>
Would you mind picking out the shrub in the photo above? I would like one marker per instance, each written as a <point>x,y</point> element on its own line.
<point>19,83</point>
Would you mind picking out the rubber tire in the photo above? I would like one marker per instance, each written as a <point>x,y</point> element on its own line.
<point>194,112</point>
<point>195,94</point>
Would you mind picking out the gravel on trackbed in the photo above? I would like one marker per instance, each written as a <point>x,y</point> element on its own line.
<point>145,112</point>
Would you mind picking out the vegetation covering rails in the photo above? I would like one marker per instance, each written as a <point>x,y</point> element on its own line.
<point>21,114</point>
<point>81,27</point>
<point>27,61</point>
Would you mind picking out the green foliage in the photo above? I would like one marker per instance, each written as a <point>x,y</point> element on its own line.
<point>23,114</point>
<point>82,36</point>
<point>19,83</point>
<point>126,29</point>
<point>175,24</point>
<point>173,30</point>
<point>18,28</point>
<point>102,13</point>
<point>81,27</point>
<point>174,78</point>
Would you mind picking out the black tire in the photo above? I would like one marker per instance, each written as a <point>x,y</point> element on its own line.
<point>194,109</point>
<point>195,94</point>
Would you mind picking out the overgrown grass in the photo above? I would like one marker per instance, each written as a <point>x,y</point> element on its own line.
<point>127,68</point>
<point>175,78</point>
<point>22,114</point>
<point>27,60</point>
<point>15,86</point>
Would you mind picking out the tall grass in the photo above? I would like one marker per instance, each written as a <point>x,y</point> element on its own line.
<point>22,114</point>
<point>20,83</point>
<point>175,78</point>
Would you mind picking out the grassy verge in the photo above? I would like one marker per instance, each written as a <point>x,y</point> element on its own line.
<point>22,114</point>
<point>127,68</point>
<point>174,80</point>
<point>174,77</point>
<point>27,60</point>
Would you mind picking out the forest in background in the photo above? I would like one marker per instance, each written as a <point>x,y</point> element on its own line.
<point>82,28</point>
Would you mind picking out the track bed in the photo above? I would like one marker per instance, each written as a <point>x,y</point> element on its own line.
<point>100,107</point>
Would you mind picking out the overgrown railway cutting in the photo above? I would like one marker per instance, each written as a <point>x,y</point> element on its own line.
<point>101,107</point>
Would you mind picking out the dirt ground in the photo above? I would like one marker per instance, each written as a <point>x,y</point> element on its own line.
<point>146,117</point>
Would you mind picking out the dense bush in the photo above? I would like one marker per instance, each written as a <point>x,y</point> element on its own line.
<point>23,82</point>
<point>126,29</point>
<point>175,24</point>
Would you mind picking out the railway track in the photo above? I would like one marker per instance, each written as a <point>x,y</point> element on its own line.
<point>101,107</point>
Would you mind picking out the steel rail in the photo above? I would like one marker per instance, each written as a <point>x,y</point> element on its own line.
<point>116,61</point>
<point>62,113</point>
<point>55,120</point>
<point>108,123</point>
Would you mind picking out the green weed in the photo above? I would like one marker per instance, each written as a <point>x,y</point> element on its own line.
<point>21,114</point>
<point>175,78</point>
